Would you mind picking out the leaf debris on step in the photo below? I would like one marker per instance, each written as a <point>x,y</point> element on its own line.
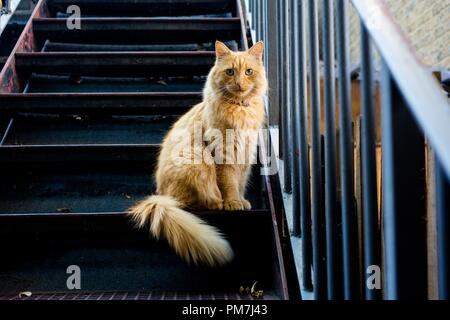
<point>258,294</point>
<point>25,294</point>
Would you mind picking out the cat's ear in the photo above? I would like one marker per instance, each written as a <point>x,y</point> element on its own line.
<point>257,50</point>
<point>221,50</point>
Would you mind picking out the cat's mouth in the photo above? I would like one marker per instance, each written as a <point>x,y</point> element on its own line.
<point>240,92</point>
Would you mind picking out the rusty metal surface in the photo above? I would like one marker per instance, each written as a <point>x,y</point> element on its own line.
<point>9,77</point>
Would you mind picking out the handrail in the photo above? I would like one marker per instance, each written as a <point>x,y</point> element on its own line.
<point>421,91</point>
<point>383,230</point>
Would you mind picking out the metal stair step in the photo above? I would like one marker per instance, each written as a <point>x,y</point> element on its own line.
<point>170,103</point>
<point>116,63</point>
<point>145,8</point>
<point>44,83</point>
<point>137,30</point>
<point>112,255</point>
<point>51,46</point>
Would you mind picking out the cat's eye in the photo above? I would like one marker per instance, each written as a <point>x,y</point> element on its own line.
<point>229,72</point>
<point>249,72</point>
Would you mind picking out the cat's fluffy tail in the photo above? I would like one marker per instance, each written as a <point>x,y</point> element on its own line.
<point>191,238</point>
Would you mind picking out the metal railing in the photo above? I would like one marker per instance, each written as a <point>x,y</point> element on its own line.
<point>343,246</point>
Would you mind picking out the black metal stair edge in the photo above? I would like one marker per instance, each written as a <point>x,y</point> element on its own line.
<point>116,63</point>
<point>124,30</point>
<point>137,23</point>
<point>52,46</point>
<point>146,7</point>
<point>139,296</point>
<point>47,154</point>
<point>157,103</point>
<point>86,216</point>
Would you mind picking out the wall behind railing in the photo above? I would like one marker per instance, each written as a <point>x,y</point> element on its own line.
<point>425,22</point>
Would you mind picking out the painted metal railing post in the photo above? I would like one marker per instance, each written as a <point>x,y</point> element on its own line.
<point>331,212</point>
<point>280,73</point>
<point>256,13</point>
<point>272,62</point>
<point>316,186</point>
<point>349,221</point>
<point>287,140</point>
<point>283,87</point>
<point>304,170</point>
<point>442,222</point>
<point>264,20</point>
<point>295,117</point>
<point>404,215</point>
<point>260,20</point>
<point>371,233</point>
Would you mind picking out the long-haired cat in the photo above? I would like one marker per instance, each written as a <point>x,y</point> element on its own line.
<point>232,100</point>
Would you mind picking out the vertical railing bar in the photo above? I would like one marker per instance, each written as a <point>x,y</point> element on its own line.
<point>405,214</point>
<point>272,60</point>
<point>304,170</point>
<point>257,20</point>
<point>267,20</point>
<point>281,80</point>
<point>331,212</point>
<point>295,118</point>
<point>260,21</point>
<point>368,144</point>
<point>349,222</point>
<point>316,186</point>
<point>442,222</point>
<point>264,20</point>
<point>287,140</point>
<point>389,217</point>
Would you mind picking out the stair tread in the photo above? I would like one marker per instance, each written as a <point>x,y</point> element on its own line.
<point>83,190</point>
<point>116,63</point>
<point>139,296</point>
<point>136,30</point>
<point>146,7</point>
<point>44,83</point>
<point>52,46</point>
<point>113,255</point>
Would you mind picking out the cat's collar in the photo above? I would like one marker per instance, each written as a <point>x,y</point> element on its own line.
<point>242,103</point>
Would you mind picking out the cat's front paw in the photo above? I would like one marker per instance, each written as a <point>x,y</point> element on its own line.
<point>233,205</point>
<point>218,205</point>
<point>247,204</point>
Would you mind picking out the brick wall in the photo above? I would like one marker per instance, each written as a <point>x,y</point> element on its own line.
<point>425,22</point>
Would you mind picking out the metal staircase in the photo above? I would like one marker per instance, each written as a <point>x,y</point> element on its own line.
<point>82,113</point>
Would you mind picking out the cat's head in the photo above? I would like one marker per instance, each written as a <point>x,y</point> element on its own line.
<point>240,74</point>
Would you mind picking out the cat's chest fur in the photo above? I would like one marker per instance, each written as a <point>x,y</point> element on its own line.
<point>239,125</point>
<point>228,116</point>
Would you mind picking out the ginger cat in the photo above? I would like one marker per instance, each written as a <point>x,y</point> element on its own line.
<point>232,100</point>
